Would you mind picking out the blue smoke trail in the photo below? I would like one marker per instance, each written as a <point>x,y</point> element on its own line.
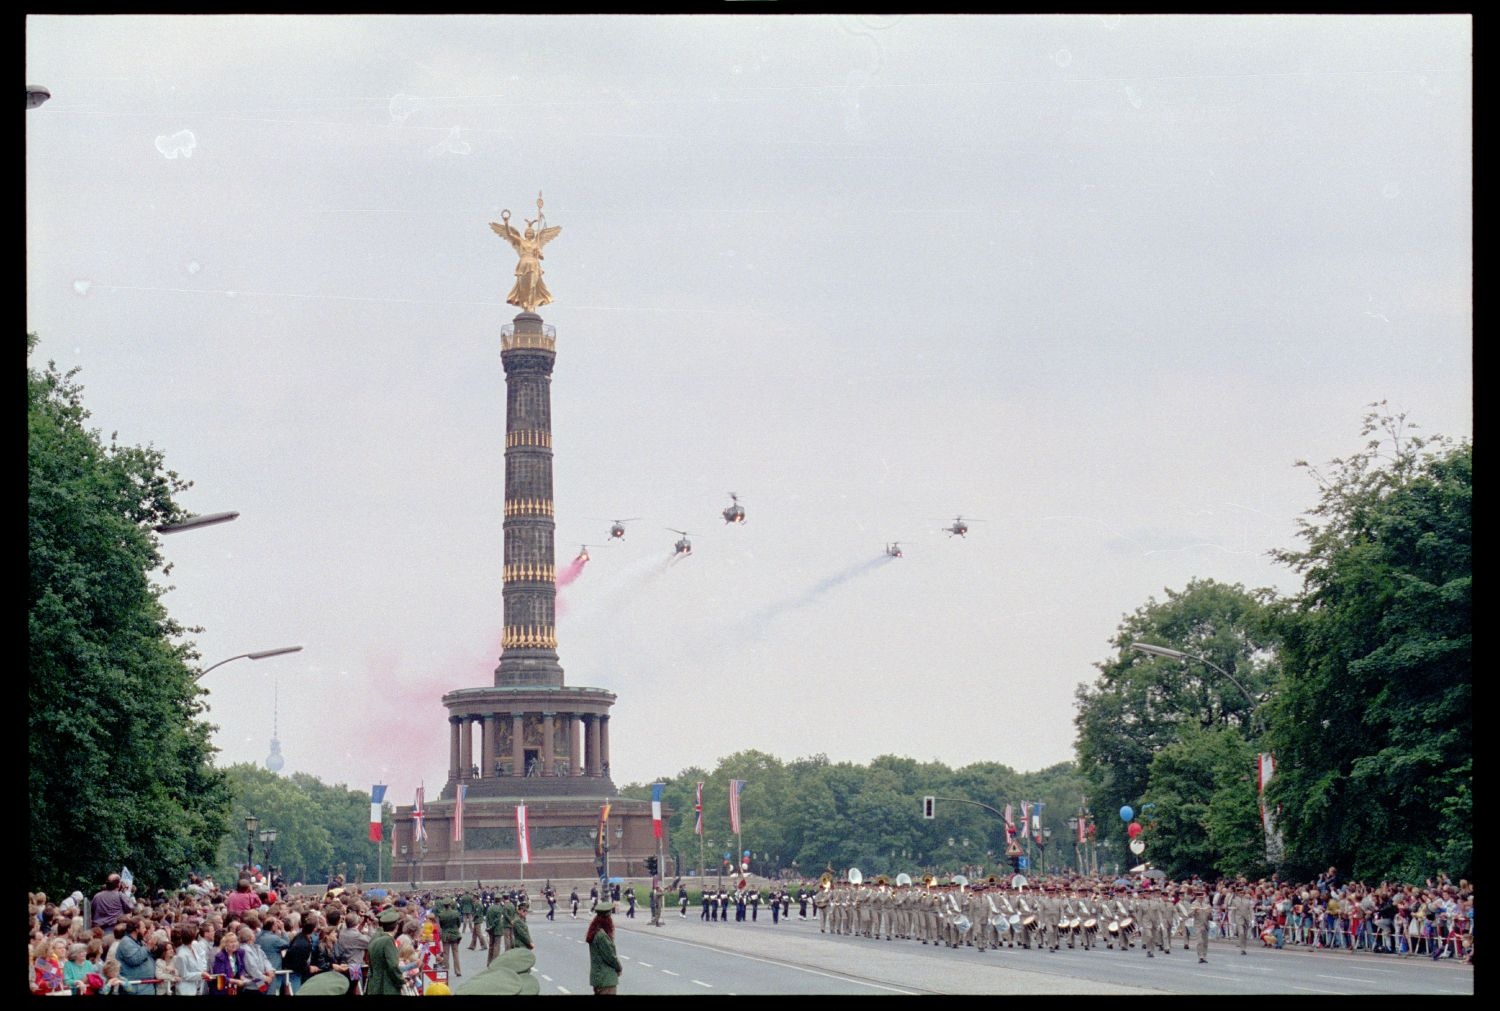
<point>831,583</point>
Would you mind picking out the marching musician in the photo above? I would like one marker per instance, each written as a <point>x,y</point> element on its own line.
<point>574,900</point>
<point>682,901</point>
<point>754,903</point>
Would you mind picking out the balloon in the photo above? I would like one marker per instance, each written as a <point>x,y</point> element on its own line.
<point>437,990</point>
<point>1134,829</point>
<point>1126,813</point>
<point>726,856</point>
<point>747,854</point>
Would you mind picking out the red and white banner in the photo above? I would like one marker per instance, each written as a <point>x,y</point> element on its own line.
<point>698,807</point>
<point>418,819</point>
<point>735,786</point>
<point>458,812</point>
<point>523,840</point>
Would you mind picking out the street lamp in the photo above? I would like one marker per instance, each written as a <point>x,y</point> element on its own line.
<point>267,840</point>
<point>251,824</point>
<point>260,655</point>
<point>1177,654</point>
<point>194,522</point>
<point>36,95</point>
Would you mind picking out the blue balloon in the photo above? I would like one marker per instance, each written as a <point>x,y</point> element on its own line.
<point>1126,813</point>
<point>747,854</point>
<point>726,856</point>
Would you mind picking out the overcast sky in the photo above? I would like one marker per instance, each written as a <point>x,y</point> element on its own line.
<point>1096,281</point>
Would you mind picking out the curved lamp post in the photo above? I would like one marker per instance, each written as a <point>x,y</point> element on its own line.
<point>1177,654</point>
<point>260,655</point>
<point>194,522</point>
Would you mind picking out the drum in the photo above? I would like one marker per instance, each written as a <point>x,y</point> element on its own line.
<point>1029,922</point>
<point>1091,924</point>
<point>962,924</point>
<point>1075,923</point>
<point>1015,919</point>
<point>1114,926</point>
<point>1127,923</point>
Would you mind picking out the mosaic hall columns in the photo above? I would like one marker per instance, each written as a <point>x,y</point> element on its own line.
<point>498,743</point>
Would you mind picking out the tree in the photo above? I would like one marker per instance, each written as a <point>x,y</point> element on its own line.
<point>1141,704</point>
<point>119,760</point>
<point>1204,818</point>
<point>1372,727</point>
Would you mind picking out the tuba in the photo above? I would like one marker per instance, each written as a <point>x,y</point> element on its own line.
<point>882,880</point>
<point>903,878</point>
<point>855,877</point>
<point>929,881</point>
<point>826,881</point>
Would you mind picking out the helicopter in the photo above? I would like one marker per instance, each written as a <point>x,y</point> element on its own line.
<point>734,513</point>
<point>617,529</point>
<point>684,546</point>
<point>583,552</point>
<point>960,526</point>
<point>893,549</point>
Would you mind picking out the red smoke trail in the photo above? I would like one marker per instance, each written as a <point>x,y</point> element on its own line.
<point>566,576</point>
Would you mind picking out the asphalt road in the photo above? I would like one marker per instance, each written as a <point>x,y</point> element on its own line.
<point>689,956</point>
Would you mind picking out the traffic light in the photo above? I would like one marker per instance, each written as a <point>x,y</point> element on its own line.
<point>651,865</point>
<point>929,807</point>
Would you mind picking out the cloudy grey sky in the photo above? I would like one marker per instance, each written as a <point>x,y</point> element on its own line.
<point>1097,281</point>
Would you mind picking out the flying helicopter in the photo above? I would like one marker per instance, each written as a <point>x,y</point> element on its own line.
<point>893,549</point>
<point>617,528</point>
<point>734,513</point>
<point>684,546</point>
<point>960,526</point>
<point>583,552</point>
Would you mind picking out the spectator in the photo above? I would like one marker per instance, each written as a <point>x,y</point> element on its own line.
<point>298,955</point>
<point>166,972</point>
<point>47,957</point>
<point>228,969</point>
<point>77,968</point>
<point>242,899</point>
<point>134,956</point>
<point>256,969</point>
<point>189,964</point>
<point>272,942</point>
<point>111,902</point>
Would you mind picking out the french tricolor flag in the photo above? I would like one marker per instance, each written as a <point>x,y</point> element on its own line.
<point>377,797</point>
<point>656,809</point>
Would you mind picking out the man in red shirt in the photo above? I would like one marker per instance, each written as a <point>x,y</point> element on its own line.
<point>242,899</point>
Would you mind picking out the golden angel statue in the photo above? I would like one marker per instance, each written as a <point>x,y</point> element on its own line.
<point>529,290</point>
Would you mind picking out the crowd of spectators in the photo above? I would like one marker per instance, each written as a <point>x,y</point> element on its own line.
<point>201,940</point>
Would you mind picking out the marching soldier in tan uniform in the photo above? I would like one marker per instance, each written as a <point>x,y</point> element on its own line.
<point>820,903</point>
<point>1242,915</point>
<point>1202,912</point>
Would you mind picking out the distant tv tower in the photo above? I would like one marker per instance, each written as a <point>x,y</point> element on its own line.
<point>274,761</point>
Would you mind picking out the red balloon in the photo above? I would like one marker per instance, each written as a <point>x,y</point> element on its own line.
<point>1134,829</point>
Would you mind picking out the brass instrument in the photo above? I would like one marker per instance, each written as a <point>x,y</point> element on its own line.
<point>929,881</point>
<point>855,876</point>
<point>882,880</point>
<point>992,881</point>
<point>826,881</point>
<point>903,878</point>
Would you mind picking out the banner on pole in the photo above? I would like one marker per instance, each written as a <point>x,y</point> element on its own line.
<point>656,789</point>
<point>377,797</point>
<point>735,787</point>
<point>458,812</point>
<point>523,840</point>
<point>698,810</point>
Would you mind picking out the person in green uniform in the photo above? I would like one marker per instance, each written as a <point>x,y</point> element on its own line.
<point>494,923</point>
<point>450,922</point>
<point>466,908</point>
<point>519,930</point>
<point>384,977</point>
<point>604,964</point>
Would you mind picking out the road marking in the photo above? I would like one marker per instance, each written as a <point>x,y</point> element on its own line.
<point>843,978</point>
<point>645,965</point>
<point>563,989</point>
<point>1346,979</point>
<point>701,983</point>
<point>625,957</point>
<point>544,976</point>
<point>669,972</point>
<point>1314,990</point>
<point>1232,979</point>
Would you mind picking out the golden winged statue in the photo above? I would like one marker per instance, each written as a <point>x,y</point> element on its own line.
<point>529,290</point>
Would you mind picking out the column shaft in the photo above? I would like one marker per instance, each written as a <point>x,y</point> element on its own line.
<point>453,748</point>
<point>487,766</point>
<point>548,768</point>
<point>603,744</point>
<point>575,750</point>
<point>517,751</point>
<point>591,728</point>
<point>465,746</point>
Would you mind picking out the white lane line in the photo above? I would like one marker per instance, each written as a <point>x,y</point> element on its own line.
<point>1315,990</point>
<point>701,983</point>
<point>669,972</point>
<point>844,978</point>
<point>625,957</point>
<point>545,976</point>
<point>563,989</point>
<point>645,965</point>
<point>1232,979</point>
<point>1347,979</point>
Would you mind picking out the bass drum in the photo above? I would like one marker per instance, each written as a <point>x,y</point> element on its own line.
<point>1015,919</point>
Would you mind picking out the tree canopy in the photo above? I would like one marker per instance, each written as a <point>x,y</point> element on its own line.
<point>810,814</point>
<point>120,764</point>
<point>1373,726</point>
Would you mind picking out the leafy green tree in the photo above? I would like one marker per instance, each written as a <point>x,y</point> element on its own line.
<point>1141,704</point>
<point>1373,728</point>
<point>1204,817</point>
<point>119,760</point>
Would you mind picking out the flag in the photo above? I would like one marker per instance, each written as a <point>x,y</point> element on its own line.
<point>698,809</point>
<point>1010,825</point>
<point>418,819</point>
<point>735,786</point>
<point>1025,807</point>
<point>1081,823</point>
<point>1265,769</point>
<point>458,812</point>
<point>602,842</point>
<point>522,839</point>
<point>656,809</point>
<point>1036,821</point>
<point>377,797</point>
